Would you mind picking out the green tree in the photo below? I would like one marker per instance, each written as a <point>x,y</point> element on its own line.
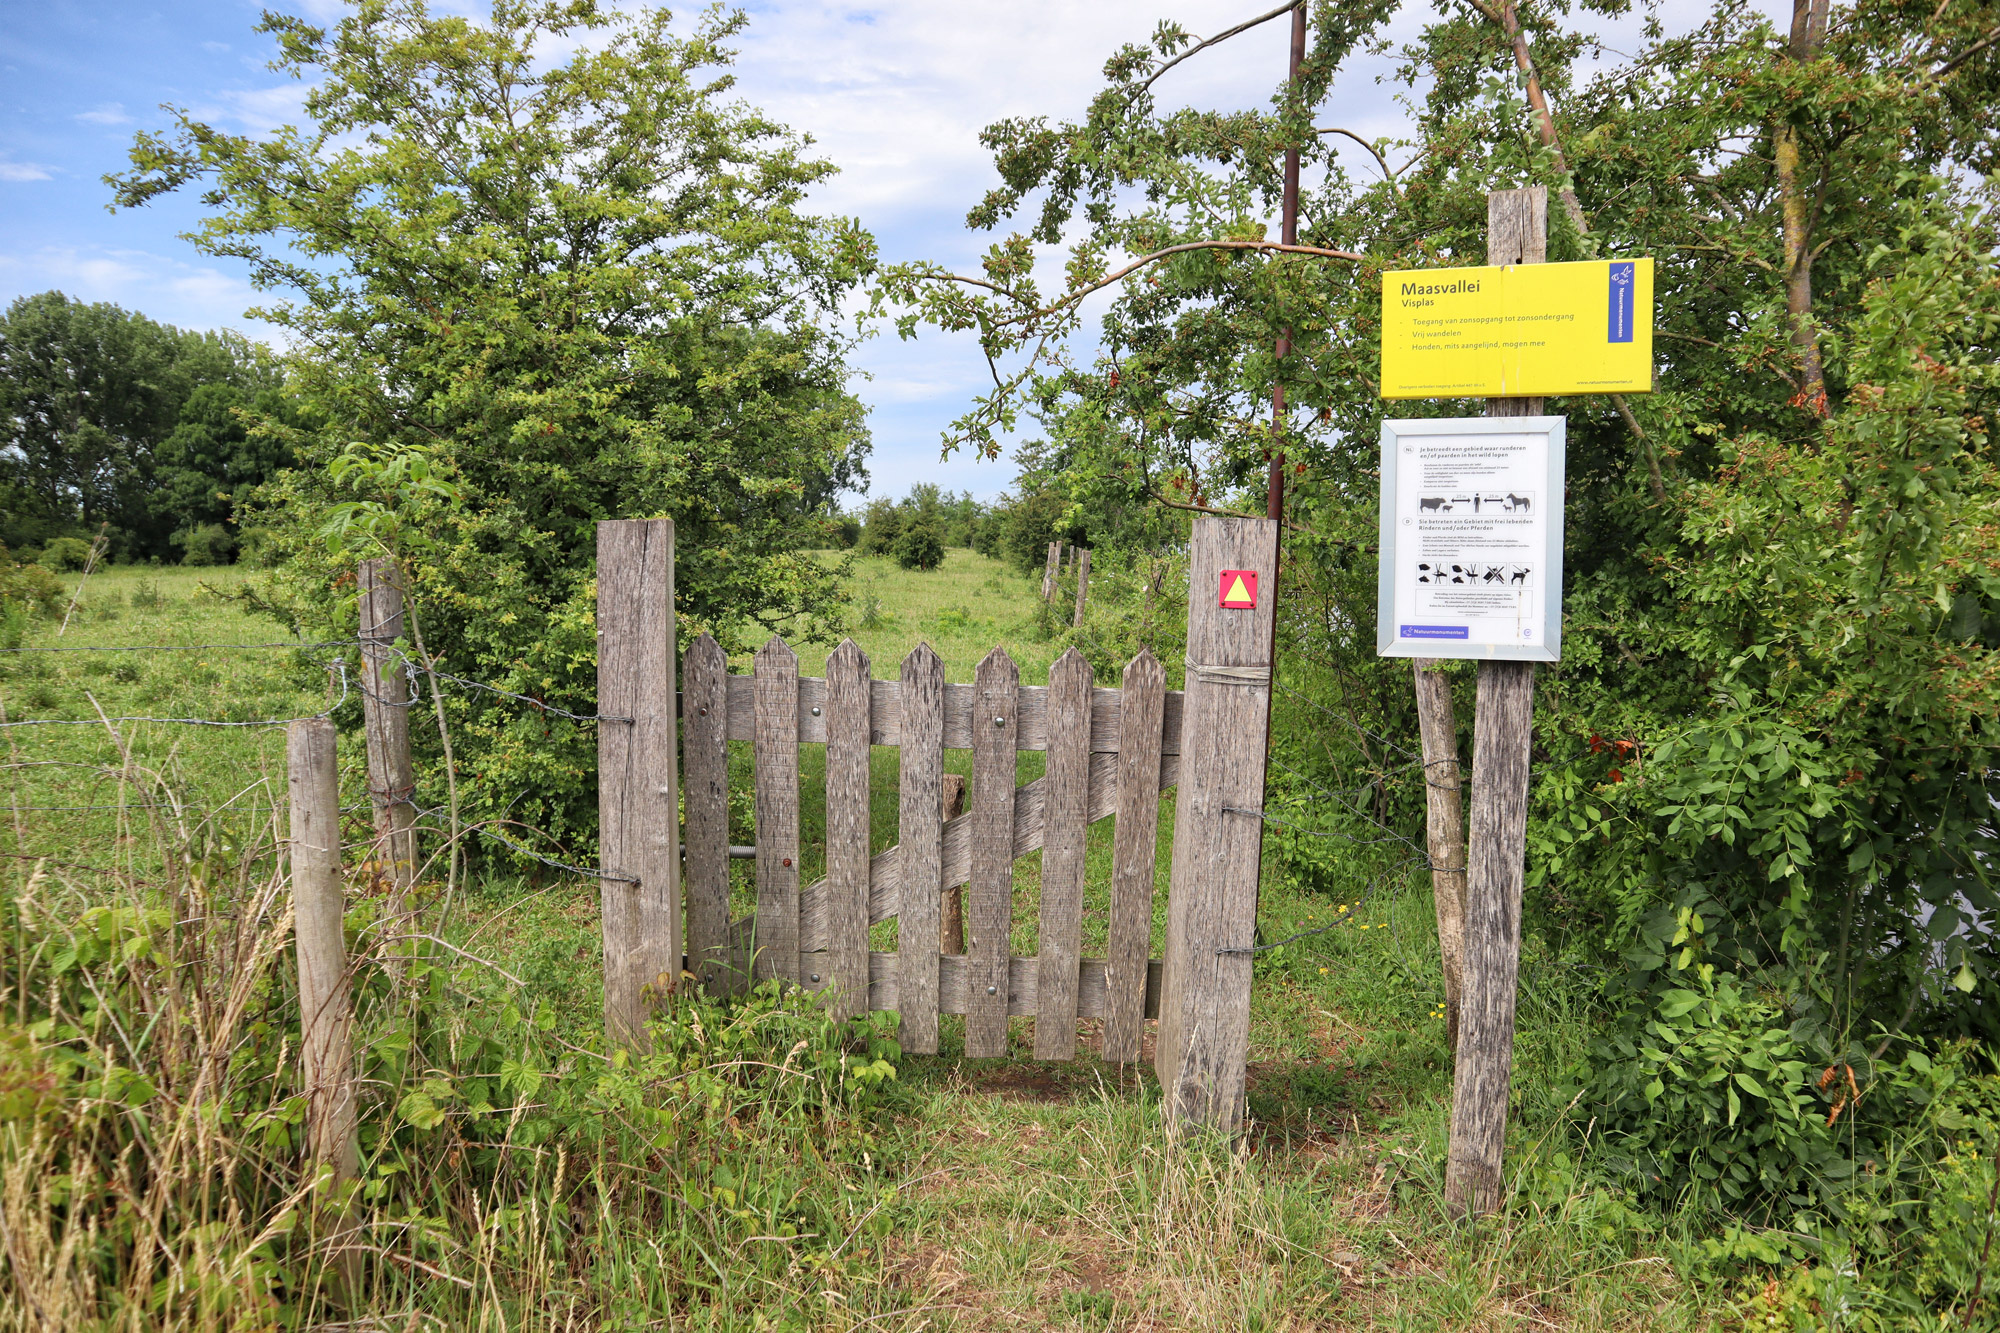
<point>586,284</point>
<point>221,449</point>
<point>89,394</point>
<point>919,545</point>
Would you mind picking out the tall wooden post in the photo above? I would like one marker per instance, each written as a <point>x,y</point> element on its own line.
<point>1049,570</point>
<point>325,1003</point>
<point>1204,1031</point>
<point>637,809</point>
<point>385,713</point>
<point>1082,584</point>
<point>1517,232</point>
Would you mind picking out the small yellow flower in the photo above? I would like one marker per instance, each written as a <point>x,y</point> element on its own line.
<point>1364,925</point>
<point>1322,971</point>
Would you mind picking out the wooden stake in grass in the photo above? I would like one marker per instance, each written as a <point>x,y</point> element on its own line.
<point>1050,570</point>
<point>1517,232</point>
<point>1082,584</point>
<point>327,1045</point>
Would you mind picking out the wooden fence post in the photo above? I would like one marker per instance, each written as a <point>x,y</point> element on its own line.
<point>1204,1030</point>
<point>1517,232</point>
<point>1049,571</point>
<point>1444,830</point>
<point>385,712</point>
<point>1082,585</point>
<point>638,824</point>
<point>325,1004</point>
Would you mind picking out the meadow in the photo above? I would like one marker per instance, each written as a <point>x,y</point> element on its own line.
<point>762,1167</point>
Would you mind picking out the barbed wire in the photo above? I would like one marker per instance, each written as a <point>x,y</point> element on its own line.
<point>338,664</point>
<point>416,669</point>
<point>173,647</point>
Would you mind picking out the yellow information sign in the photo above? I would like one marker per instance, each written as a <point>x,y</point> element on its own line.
<point>1524,330</point>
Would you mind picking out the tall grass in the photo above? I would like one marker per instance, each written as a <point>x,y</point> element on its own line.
<point>514,1175</point>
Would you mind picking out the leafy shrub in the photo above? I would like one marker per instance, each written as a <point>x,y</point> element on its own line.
<point>918,546</point>
<point>206,544</point>
<point>66,554</point>
<point>28,587</point>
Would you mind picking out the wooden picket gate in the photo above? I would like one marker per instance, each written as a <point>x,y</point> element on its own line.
<point>1111,752</point>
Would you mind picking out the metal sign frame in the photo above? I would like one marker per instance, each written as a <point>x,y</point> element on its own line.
<point>1400,549</point>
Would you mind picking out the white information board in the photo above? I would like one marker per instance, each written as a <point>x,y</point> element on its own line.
<point>1472,538</point>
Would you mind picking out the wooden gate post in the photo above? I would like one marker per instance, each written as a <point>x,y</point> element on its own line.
<point>1082,584</point>
<point>1204,1031</point>
<point>637,809</point>
<point>1049,571</point>
<point>385,712</point>
<point>1517,232</point>
<point>326,1017</point>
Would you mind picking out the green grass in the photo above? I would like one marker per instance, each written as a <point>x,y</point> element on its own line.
<point>985,1194</point>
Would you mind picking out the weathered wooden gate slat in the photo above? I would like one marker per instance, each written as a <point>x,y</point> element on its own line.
<point>775,738</point>
<point>1067,787</point>
<point>956,989</point>
<point>1032,732</point>
<point>1133,858</point>
<point>919,865</point>
<point>847,828</point>
<point>705,793</point>
<point>1030,822</point>
<point>990,892</point>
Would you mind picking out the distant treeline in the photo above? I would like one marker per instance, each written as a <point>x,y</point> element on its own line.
<point>118,424</point>
<point>1016,527</point>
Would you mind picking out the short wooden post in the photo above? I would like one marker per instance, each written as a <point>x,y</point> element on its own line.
<point>1082,585</point>
<point>325,1004</point>
<point>1049,571</point>
<point>385,713</point>
<point>1204,1031</point>
<point>1517,232</point>
<point>951,925</point>
<point>1444,830</point>
<point>638,809</point>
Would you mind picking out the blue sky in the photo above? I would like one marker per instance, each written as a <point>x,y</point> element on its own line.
<point>894,92</point>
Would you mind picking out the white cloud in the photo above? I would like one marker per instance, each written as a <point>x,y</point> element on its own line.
<point>105,113</point>
<point>215,48</point>
<point>23,171</point>
<point>173,291</point>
